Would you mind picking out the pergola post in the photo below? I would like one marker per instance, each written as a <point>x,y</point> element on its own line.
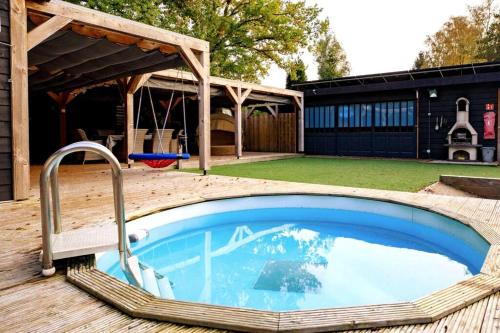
<point>204,112</point>
<point>19,96</point>
<point>62,100</point>
<point>129,127</point>
<point>299,102</point>
<point>238,126</point>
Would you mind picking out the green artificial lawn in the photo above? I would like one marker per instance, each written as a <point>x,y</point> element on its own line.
<point>399,175</point>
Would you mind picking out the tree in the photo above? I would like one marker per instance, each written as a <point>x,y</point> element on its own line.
<point>489,48</point>
<point>420,61</point>
<point>296,72</point>
<point>459,40</point>
<point>331,58</point>
<point>245,36</point>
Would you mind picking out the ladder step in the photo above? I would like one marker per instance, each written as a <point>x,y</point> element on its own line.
<point>80,242</point>
<point>150,284</point>
<point>165,288</point>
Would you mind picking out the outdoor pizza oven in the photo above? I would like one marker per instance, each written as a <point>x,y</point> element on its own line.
<point>462,137</point>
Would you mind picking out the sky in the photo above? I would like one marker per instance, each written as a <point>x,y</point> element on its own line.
<point>379,35</point>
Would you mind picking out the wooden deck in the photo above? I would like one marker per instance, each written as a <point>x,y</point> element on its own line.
<point>29,302</point>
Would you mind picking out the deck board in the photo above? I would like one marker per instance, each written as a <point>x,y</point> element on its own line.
<point>29,302</point>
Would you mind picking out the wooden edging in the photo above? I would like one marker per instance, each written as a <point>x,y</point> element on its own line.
<point>140,304</point>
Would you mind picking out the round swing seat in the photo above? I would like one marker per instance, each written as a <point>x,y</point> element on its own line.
<point>157,160</point>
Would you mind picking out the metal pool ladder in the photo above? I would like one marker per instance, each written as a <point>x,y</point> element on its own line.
<point>58,244</point>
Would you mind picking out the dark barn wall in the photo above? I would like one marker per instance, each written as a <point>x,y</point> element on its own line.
<point>5,109</point>
<point>371,141</point>
<point>444,105</point>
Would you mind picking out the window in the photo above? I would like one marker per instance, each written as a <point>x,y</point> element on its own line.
<point>332,116</point>
<point>321,117</point>
<point>369,115</point>
<point>357,116</point>
<point>383,114</point>
<point>396,113</point>
<point>411,113</point>
<point>363,115</point>
<point>351,116</point>
<point>404,110</point>
<point>378,122</point>
<point>390,114</point>
<point>316,117</point>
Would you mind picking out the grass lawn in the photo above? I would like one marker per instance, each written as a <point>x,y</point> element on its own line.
<point>398,175</point>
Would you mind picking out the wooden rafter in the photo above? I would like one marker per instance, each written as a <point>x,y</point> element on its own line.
<point>245,94</point>
<point>136,82</point>
<point>193,62</point>
<point>232,94</point>
<point>46,29</point>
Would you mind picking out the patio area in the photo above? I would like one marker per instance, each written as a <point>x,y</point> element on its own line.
<point>29,302</point>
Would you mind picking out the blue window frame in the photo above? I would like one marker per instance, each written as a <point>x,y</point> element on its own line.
<point>306,118</point>
<point>363,115</point>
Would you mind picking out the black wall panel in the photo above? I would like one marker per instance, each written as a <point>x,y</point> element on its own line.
<point>5,109</point>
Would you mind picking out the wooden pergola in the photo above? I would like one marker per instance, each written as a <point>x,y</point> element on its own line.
<point>34,23</point>
<point>238,93</point>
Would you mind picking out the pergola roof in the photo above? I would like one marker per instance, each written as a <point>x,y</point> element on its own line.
<point>69,60</point>
<point>71,47</point>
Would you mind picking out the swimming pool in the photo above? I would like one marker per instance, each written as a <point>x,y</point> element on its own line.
<point>300,252</point>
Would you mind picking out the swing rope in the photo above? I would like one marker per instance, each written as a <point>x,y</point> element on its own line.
<point>158,160</point>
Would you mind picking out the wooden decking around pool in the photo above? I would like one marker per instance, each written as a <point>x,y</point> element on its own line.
<point>31,303</point>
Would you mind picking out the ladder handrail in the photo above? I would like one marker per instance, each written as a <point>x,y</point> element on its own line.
<point>49,179</point>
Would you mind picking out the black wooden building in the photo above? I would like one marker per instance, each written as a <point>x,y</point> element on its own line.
<point>400,114</point>
<point>5,110</point>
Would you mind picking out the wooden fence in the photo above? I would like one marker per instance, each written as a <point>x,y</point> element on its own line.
<point>265,133</point>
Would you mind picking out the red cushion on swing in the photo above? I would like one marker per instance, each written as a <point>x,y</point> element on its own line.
<point>157,164</point>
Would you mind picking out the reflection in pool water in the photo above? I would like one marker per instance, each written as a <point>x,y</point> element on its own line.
<point>305,258</point>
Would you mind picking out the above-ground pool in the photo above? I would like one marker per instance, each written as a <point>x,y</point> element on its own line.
<point>296,252</point>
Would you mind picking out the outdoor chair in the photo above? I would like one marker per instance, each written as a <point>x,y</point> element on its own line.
<point>139,135</point>
<point>88,156</point>
<point>166,141</point>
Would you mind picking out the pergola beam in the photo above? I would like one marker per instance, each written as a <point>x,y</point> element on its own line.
<point>46,29</point>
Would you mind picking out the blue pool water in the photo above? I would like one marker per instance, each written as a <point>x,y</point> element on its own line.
<point>295,252</point>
